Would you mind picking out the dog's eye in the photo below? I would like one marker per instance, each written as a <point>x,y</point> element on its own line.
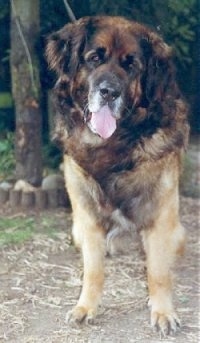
<point>129,63</point>
<point>94,58</point>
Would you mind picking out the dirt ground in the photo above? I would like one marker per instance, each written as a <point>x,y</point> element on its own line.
<point>40,281</point>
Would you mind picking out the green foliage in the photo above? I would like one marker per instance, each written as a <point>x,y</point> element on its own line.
<point>7,159</point>
<point>5,100</point>
<point>179,28</point>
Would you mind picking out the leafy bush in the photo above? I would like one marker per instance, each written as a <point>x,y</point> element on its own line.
<point>180,28</point>
<point>7,158</point>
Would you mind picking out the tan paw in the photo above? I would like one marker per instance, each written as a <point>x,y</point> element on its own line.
<point>165,323</point>
<point>79,314</point>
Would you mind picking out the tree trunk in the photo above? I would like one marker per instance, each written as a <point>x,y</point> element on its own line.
<point>197,107</point>
<point>26,89</point>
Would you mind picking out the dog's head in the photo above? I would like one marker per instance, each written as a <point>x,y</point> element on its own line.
<point>109,67</point>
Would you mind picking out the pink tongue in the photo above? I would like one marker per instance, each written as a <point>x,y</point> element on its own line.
<point>103,122</point>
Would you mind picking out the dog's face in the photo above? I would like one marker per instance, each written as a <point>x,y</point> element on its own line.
<point>108,67</point>
<point>114,65</point>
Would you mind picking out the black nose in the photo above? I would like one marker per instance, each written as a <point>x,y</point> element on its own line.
<point>109,94</point>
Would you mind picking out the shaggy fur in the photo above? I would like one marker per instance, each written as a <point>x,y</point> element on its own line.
<point>129,179</point>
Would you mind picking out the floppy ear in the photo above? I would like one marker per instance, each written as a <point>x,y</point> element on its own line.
<point>160,75</point>
<point>65,46</point>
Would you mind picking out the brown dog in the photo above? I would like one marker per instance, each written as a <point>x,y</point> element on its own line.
<point>122,125</point>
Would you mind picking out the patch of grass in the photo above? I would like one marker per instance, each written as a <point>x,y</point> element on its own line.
<point>21,229</point>
<point>15,230</point>
<point>48,225</point>
<point>15,223</point>
<point>18,237</point>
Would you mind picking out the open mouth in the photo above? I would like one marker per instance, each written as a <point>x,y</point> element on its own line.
<point>103,122</point>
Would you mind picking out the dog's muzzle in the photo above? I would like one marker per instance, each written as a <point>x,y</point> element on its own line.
<point>104,104</point>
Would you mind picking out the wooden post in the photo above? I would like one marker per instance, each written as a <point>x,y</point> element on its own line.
<point>41,198</point>
<point>52,198</point>
<point>15,198</point>
<point>63,199</point>
<point>28,199</point>
<point>4,196</point>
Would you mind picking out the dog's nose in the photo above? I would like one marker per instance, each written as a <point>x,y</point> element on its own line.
<point>109,94</point>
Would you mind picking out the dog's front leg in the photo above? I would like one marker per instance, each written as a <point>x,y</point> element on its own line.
<point>162,244</point>
<point>92,243</point>
<point>89,237</point>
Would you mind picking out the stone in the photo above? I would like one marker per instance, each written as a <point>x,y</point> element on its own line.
<point>53,181</point>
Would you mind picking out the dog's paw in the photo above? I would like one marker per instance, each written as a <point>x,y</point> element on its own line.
<point>81,314</point>
<point>166,324</point>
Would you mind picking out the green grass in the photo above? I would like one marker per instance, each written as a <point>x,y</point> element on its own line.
<point>15,230</point>
<point>18,237</point>
<point>19,230</point>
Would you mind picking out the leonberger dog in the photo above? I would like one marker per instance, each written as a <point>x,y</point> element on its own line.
<point>122,123</point>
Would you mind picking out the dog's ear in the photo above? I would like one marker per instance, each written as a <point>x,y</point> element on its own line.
<point>160,74</point>
<point>64,47</point>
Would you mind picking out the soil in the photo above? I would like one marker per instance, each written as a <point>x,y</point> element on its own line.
<point>41,280</point>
